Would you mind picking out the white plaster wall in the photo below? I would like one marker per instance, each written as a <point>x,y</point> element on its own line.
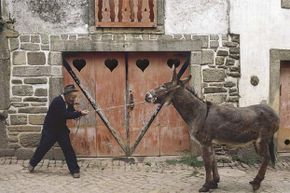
<point>73,16</point>
<point>196,16</point>
<point>262,25</point>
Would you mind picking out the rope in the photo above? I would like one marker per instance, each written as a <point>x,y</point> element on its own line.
<point>78,120</point>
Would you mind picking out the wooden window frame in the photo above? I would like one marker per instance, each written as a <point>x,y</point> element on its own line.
<point>157,29</point>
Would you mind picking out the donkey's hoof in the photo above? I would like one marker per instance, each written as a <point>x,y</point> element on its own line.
<point>216,180</point>
<point>255,185</point>
<point>204,189</point>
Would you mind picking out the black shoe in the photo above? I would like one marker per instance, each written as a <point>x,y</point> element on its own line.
<point>30,168</point>
<point>76,175</point>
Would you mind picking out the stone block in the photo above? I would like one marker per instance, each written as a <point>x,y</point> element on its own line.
<point>203,39</point>
<point>195,57</point>
<point>33,110</point>
<point>55,87</point>
<point>23,90</point>
<point>35,39</point>
<point>214,90</point>
<point>19,58</point>
<point>44,38</point>
<point>222,52</point>
<point>14,44</point>
<point>213,75</point>
<point>13,139</point>
<point>230,62</point>
<point>24,38</point>
<point>235,69</point>
<point>56,70</point>
<point>220,60</point>
<point>233,99</point>
<point>55,58</point>
<point>73,37</point>
<point>235,50</point>
<point>15,99</point>
<point>207,57</point>
<point>19,104</point>
<point>230,44</point>
<point>229,84</point>
<point>233,90</point>
<point>41,92</point>
<point>35,99</point>
<point>24,128</point>
<point>5,54</point>
<point>29,139</point>
<point>215,98</point>
<point>45,47</point>
<point>214,37</point>
<point>235,56</point>
<point>35,81</point>
<point>18,119</point>
<point>30,46</point>
<point>38,104</point>
<point>235,38</point>
<point>14,146</point>
<point>16,81</point>
<point>214,44</point>
<point>31,71</point>
<point>55,38</point>
<point>64,36</point>
<point>7,152</point>
<point>36,58</point>
<point>24,153</point>
<point>36,119</point>
<point>234,74</point>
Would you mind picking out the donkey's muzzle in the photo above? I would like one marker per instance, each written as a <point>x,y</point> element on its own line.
<point>149,97</point>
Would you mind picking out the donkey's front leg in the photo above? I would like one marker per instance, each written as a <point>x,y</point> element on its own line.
<point>216,176</point>
<point>207,155</point>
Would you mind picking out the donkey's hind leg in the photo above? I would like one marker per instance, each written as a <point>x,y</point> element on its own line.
<point>263,151</point>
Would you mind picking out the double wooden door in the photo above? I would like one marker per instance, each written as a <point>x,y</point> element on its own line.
<point>118,83</point>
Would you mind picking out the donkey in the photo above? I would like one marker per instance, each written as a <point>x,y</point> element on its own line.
<point>209,123</point>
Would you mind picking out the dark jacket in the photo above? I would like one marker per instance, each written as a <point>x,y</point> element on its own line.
<point>57,115</point>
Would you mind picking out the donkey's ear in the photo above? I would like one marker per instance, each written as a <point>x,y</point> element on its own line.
<point>174,76</point>
<point>183,82</point>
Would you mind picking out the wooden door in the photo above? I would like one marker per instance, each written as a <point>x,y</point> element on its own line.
<point>284,131</point>
<point>168,134</point>
<point>118,82</point>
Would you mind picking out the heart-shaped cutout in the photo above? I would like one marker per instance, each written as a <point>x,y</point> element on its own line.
<point>142,64</point>
<point>111,64</point>
<point>79,64</point>
<point>173,61</point>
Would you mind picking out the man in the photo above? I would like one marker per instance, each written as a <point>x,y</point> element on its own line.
<point>56,130</point>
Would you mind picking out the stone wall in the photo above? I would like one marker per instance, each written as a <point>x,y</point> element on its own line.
<point>222,71</point>
<point>36,73</point>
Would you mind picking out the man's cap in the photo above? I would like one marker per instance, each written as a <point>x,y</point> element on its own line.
<point>69,89</point>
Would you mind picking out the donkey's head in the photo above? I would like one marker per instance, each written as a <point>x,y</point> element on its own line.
<point>165,92</point>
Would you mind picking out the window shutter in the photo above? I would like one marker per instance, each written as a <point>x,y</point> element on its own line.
<point>126,13</point>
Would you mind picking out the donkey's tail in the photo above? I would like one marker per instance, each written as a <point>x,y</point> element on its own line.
<point>272,151</point>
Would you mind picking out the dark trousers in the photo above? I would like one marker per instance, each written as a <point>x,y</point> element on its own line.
<point>48,139</point>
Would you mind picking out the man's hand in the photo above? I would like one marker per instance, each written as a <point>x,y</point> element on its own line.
<point>84,112</point>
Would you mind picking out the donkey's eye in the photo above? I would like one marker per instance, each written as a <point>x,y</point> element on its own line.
<point>163,87</point>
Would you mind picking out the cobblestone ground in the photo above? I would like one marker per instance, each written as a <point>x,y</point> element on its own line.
<point>109,176</point>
